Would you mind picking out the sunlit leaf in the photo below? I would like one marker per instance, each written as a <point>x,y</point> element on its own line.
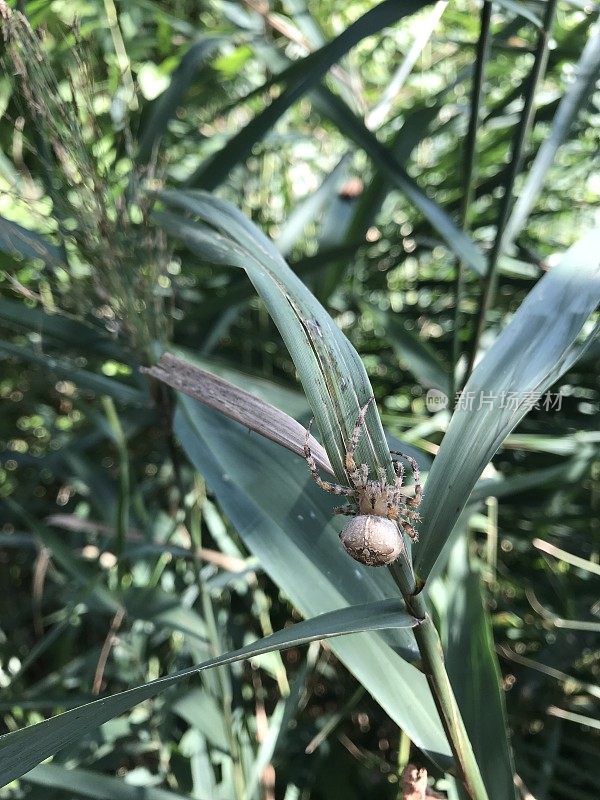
<point>542,341</point>
<point>306,74</point>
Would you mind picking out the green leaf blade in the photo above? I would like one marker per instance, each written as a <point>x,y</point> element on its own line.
<point>24,749</point>
<point>531,353</point>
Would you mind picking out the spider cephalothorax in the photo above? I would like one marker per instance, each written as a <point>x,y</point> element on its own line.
<point>377,506</point>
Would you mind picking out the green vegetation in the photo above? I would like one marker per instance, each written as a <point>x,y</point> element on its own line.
<point>317,203</point>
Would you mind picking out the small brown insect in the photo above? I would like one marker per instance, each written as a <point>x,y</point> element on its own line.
<point>378,508</point>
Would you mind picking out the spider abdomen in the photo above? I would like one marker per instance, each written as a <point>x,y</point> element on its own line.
<point>374,541</point>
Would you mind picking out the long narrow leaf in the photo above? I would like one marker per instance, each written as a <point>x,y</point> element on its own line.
<point>538,346</point>
<point>333,376</point>
<point>26,748</point>
<point>63,329</point>
<point>571,102</point>
<point>85,783</point>
<point>385,159</point>
<point>476,679</point>
<point>84,379</point>
<point>164,107</point>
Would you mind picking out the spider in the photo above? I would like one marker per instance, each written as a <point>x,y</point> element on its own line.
<point>378,507</point>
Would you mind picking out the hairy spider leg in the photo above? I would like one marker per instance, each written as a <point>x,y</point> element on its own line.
<point>399,470</point>
<point>363,471</point>
<point>351,467</point>
<point>332,488</point>
<point>395,514</point>
<point>394,499</point>
<point>349,511</point>
<point>410,530</point>
<point>416,500</point>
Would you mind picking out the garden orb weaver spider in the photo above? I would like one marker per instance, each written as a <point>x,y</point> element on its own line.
<point>378,508</point>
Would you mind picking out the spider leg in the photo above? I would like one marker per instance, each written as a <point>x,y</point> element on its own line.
<point>395,500</point>
<point>409,530</point>
<point>360,477</point>
<point>349,511</point>
<point>356,476</point>
<point>406,527</point>
<point>332,488</point>
<point>353,444</point>
<point>399,470</point>
<point>397,509</point>
<point>416,500</point>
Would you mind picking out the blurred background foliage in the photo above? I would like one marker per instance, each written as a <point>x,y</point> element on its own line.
<point>103,98</point>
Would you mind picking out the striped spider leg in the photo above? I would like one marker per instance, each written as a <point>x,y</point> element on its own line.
<point>332,488</point>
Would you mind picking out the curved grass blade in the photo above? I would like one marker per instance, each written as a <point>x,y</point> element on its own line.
<point>84,379</point>
<point>542,341</point>
<point>331,372</point>
<point>61,328</point>
<point>24,749</point>
<point>307,74</point>
<point>85,783</point>
<point>568,558</point>
<point>333,376</point>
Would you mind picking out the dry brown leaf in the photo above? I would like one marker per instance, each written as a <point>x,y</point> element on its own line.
<point>237,404</point>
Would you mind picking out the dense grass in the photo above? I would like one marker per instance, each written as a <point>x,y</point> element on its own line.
<point>381,150</point>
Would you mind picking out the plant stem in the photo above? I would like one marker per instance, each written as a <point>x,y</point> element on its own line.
<point>434,667</point>
<point>481,56</point>
<point>122,516</point>
<point>112,18</point>
<point>516,160</point>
